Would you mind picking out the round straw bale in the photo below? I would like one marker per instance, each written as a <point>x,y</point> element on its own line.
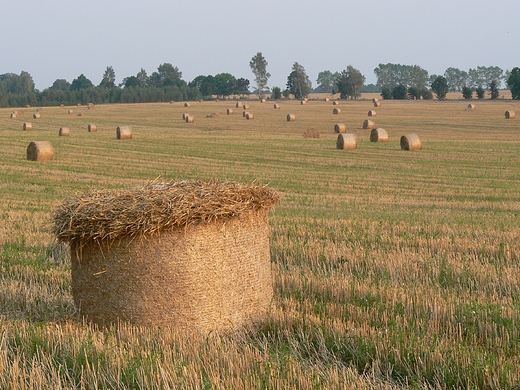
<point>70,111</point>
<point>40,151</point>
<point>262,100</point>
<point>303,102</point>
<point>213,115</point>
<point>36,115</point>
<point>230,111</point>
<point>80,114</point>
<point>368,124</point>
<point>249,116</point>
<point>372,113</point>
<point>335,103</point>
<point>79,104</point>
<point>276,106</point>
<point>64,132</point>
<point>346,142</point>
<point>124,132</point>
<point>62,105</point>
<point>186,104</point>
<point>186,254</point>
<point>312,133</point>
<point>245,106</point>
<point>244,113</point>
<point>375,100</point>
<point>27,106</point>
<point>184,115</point>
<point>13,115</point>
<point>238,105</point>
<point>92,128</point>
<point>378,134</point>
<point>326,99</point>
<point>411,142</point>
<point>510,115</point>
<point>172,101</point>
<point>340,128</point>
<point>27,126</point>
<point>190,119</point>
<point>336,111</point>
<point>471,106</point>
<point>377,104</point>
<point>291,117</point>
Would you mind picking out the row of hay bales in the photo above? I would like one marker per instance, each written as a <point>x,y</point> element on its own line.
<point>348,141</point>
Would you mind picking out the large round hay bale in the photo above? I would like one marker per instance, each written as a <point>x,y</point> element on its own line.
<point>340,128</point>
<point>190,119</point>
<point>64,132</point>
<point>510,115</point>
<point>471,106</point>
<point>378,135</point>
<point>238,105</point>
<point>40,151</point>
<point>92,128</point>
<point>372,113</point>
<point>27,126</point>
<point>36,115</point>
<point>230,111</point>
<point>249,116</point>
<point>411,142</point>
<point>377,104</point>
<point>124,132</point>
<point>189,255</point>
<point>312,133</point>
<point>186,104</point>
<point>368,124</point>
<point>346,142</point>
<point>276,106</point>
<point>336,111</point>
<point>291,117</point>
<point>335,103</point>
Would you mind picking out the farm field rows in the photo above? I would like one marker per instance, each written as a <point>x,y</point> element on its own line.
<point>392,269</point>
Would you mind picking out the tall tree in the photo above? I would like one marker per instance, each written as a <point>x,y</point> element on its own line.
<point>258,65</point>
<point>327,80</point>
<point>467,93</point>
<point>493,90</point>
<point>298,82</point>
<point>350,82</point>
<point>60,85</point>
<point>440,87</point>
<point>81,82</point>
<point>392,75</point>
<point>109,78</point>
<point>456,79</point>
<point>225,84</point>
<point>513,82</point>
<point>142,78</point>
<point>242,86</point>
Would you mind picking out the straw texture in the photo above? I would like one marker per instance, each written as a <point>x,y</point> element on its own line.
<point>291,117</point>
<point>336,111</point>
<point>64,132</point>
<point>378,135</point>
<point>411,142</point>
<point>40,151</point>
<point>340,128</point>
<point>311,133</point>
<point>510,115</point>
<point>346,142</point>
<point>368,124</point>
<point>124,132</point>
<point>27,126</point>
<point>92,128</point>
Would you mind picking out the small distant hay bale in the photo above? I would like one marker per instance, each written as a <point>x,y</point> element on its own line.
<point>378,135</point>
<point>303,102</point>
<point>276,106</point>
<point>80,113</point>
<point>64,132</point>
<point>291,117</point>
<point>326,99</point>
<point>336,111</point>
<point>213,115</point>
<point>13,115</point>
<point>368,124</point>
<point>335,103</point>
<point>92,128</point>
<point>377,104</point>
<point>200,100</point>
<point>340,128</point>
<point>244,113</point>
<point>510,115</point>
<point>346,142</point>
<point>184,115</point>
<point>190,119</point>
<point>62,105</point>
<point>411,142</point>
<point>245,106</point>
<point>27,126</point>
<point>262,100</point>
<point>372,113</point>
<point>186,104</point>
<point>172,101</point>
<point>188,255</point>
<point>27,106</point>
<point>311,133</point>
<point>40,151</point>
<point>249,116</point>
<point>375,100</point>
<point>471,107</point>
<point>124,132</point>
<point>230,111</point>
<point>36,115</point>
<point>238,105</point>
<point>70,112</point>
<point>79,104</point>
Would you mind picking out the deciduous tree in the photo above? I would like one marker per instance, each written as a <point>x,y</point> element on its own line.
<point>513,82</point>
<point>350,82</point>
<point>298,82</point>
<point>440,87</point>
<point>258,66</point>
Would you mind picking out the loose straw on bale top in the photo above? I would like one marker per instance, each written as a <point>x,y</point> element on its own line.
<point>154,207</point>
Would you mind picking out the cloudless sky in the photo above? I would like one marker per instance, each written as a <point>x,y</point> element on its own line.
<point>58,39</point>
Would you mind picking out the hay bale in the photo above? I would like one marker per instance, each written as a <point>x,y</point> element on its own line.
<point>27,126</point>
<point>311,133</point>
<point>190,119</point>
<point>291,117</point>
<point>375,100</point>
<point>64,132</point>
<point>276,106</point>
<point>13,115</point>
<point>238,105</point>
<point>303,102</point>
<point>36,115</point>
<point>346,142</point>
<point>326,99</point>
<point>249,116</point>
<point>244,113</point>
<point>39,109</point>
<point>411,142</point>
<point>79,104</point>
<point>27,106</point>
<point>80,114</point>
<point>186,104</point>
<point>186,254</point>
<point>335,103</point>
<point>184,115</point>
<point>262,100</point>
<point>377,104</point>
<point>124,132</point>
<point>368,124</point>
<point>245,106</point>
<point>213,115</point>
<point>510,115</point>
<point>92,128</point>
<point>70,112</point>
<point>378,135</point>
<point>340,128</point>
<point>62,105</point>
<point>372,113</point>
<point>471,107</point>
<point>40,151</point>
<point>230,111</point>
<point>336,111</point>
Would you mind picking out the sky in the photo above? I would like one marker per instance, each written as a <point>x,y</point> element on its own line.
<point>58,39</point>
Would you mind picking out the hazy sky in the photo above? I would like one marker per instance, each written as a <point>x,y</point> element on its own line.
<point>57,39</point>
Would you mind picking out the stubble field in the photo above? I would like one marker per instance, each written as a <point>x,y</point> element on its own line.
<point>392,269</point>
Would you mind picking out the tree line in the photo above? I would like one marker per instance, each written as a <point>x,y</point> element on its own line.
<point>394,81</point>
